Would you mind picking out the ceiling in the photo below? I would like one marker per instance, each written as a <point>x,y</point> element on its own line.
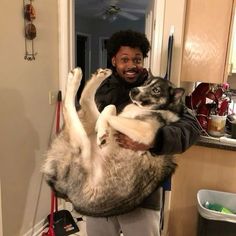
<point>111,9</point>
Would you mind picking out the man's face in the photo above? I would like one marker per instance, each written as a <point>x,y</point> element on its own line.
<point>128,63</point>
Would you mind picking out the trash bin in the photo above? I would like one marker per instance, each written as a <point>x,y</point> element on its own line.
<point>215,223</point>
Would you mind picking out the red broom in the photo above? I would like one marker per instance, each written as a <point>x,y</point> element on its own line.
<point>54,202</point>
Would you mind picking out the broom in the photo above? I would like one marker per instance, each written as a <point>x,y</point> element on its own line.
<point>61,223</point>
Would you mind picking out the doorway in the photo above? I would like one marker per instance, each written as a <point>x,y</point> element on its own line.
<point>104,61</point>
<point>67,37</point>
<point>82,58</point>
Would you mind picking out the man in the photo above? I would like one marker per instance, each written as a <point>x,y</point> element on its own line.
<point>127,50</point>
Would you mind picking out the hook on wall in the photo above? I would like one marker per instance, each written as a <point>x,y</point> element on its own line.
<point>29,29</point>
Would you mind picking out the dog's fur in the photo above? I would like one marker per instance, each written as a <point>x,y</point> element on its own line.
<point>89,168</point>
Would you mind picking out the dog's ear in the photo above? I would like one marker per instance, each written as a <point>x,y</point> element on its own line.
<point>177,94</point>
<point>150,73</point>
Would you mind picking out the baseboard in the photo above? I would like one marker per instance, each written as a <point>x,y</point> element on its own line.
<point>37,229</point>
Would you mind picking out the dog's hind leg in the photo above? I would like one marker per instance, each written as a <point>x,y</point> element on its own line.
<point>77,134</point>
<point>89,112</point>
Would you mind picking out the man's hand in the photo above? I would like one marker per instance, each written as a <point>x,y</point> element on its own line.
<point>126,142</point>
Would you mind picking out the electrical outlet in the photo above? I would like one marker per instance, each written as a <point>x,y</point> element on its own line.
<point>52,97</point>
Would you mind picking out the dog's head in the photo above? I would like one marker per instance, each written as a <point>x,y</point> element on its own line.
<point>158,93</point>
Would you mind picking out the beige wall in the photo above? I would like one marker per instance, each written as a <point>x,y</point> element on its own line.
<point>26,116</point>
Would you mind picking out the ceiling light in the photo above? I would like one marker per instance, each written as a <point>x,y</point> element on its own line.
<point>111,13</point>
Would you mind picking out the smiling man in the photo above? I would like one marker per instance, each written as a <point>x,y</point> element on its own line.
<point>128,63</point>
<point>127,50</point>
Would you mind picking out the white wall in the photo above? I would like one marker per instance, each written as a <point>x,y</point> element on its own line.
<point>26,116</point>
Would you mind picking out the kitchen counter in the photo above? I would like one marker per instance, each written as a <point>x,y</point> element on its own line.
<point>221,143</point>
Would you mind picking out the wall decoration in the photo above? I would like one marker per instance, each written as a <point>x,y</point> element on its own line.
<point>29,29</point>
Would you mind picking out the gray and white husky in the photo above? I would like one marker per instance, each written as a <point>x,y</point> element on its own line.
<point>86,165</point>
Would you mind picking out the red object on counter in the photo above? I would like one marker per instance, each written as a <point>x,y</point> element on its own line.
<point>198,101</point>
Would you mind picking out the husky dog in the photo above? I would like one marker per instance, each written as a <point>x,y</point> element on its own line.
<point>86,165</point>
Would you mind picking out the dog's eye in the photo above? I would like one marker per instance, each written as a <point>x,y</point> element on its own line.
<point>156,90</point>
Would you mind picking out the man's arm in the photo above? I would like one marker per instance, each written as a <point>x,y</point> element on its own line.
<point>177,137</point>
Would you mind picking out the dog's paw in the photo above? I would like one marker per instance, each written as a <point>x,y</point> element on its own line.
<point>109,110</point>
<point>74,78</point>
<point>102,74</point>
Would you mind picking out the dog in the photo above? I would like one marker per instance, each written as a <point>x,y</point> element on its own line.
<point>86,165</point>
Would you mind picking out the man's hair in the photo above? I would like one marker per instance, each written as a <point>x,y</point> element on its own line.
<point>127,38</point>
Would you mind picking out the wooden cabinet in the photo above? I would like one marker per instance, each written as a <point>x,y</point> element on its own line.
<point>198,168</point>
<point>206,40</point>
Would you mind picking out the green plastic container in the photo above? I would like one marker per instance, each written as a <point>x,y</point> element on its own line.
<point>217,207</point>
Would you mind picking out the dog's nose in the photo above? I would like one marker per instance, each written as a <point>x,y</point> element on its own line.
<point>134,91</point>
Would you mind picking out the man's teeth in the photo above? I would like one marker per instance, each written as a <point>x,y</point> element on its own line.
<point>130,73</point>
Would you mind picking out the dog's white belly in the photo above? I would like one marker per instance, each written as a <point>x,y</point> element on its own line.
<point>103,160</point>
<point>95,164</point>
<point>109,162</point>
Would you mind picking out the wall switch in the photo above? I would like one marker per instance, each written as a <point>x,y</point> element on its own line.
<point>52,97</point>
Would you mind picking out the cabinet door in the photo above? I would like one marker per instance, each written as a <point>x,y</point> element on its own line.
<point>207,30</point>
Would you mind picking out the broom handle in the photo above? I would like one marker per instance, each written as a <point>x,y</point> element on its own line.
<point>53,198</point>
<point>59,99</point>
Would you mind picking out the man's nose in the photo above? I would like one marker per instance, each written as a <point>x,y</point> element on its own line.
<point>132,64</point>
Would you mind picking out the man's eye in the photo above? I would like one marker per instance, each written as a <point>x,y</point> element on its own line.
<point>156,90</point>
<point>137,60</point>
<point>125,60</point>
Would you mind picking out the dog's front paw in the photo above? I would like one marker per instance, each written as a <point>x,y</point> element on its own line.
<point>102,74</point>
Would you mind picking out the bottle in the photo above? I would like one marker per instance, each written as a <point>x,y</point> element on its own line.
<point>217,207</point>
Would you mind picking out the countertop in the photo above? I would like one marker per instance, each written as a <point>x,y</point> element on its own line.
<point>225,142</point>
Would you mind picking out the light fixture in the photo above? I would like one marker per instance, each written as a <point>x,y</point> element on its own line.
<point>104,17</point>
<point>113,17</point>
<point>111,13</point>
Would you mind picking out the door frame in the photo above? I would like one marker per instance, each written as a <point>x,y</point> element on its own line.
<point>66,25</point>
<point>102,53</point>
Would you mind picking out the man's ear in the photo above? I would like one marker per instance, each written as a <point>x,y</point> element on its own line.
<point>113,61</point>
